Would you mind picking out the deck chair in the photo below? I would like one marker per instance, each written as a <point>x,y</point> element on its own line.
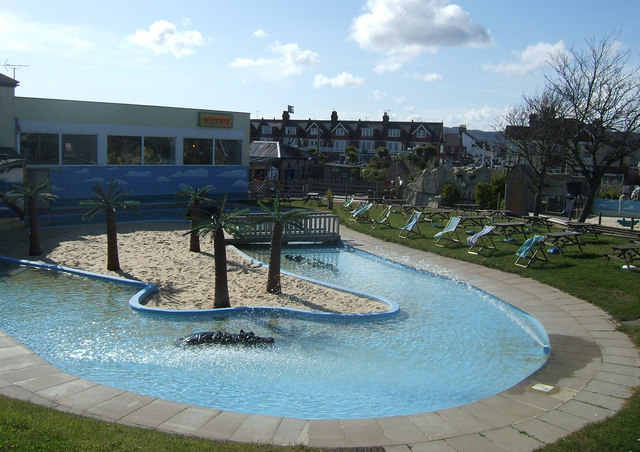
<point>361,213</point>
<point>383,218</point>
<point>482,239</point>
<point>450,231</point>
<point>349,202</point>
<point>533,245</point>
<point>411,226</point>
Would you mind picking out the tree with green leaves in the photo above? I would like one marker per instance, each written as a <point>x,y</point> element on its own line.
<point>108,202</point>
<point>29,195</point>
<point>195,197</point>
<point>280,219</point>
<point>351,154</point>
<point>215,226</point>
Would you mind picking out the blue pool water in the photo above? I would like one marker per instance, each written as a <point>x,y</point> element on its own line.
<point>450,344</point>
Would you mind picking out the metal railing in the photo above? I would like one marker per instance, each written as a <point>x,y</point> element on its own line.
<point>257,227</point>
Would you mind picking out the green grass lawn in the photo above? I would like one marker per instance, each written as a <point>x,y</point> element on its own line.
<point>24,426</point>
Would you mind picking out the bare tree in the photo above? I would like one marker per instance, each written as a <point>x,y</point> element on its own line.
<point>534,130</point>
<point>601,97</point>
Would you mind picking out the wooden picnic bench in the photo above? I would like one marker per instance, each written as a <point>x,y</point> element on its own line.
<point>625,252</point>
<point>510,228</point>
<point>561,239</point>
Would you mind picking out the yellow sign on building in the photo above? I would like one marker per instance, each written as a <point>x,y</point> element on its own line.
<point>214,120</point>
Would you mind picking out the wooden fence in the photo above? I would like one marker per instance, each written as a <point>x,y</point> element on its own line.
<point>316,228</point>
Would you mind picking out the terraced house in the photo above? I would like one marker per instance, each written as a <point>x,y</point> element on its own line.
<point>332,137</point>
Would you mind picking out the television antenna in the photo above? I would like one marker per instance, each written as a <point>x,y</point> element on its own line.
<point>13,67</point>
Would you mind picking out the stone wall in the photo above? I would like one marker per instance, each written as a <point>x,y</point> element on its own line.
<point>426,189</point>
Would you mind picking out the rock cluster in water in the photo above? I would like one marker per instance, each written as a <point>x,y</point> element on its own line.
<point>223,338</point>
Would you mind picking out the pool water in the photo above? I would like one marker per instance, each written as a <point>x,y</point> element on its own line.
<point>450,344</point>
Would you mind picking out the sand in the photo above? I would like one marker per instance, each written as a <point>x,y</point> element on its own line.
<point>159,253</point>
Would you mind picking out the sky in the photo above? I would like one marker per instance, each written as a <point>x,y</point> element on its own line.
<point>459,62</point>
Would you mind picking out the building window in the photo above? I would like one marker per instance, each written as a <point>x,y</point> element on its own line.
<point>124,150</point>
<point>393,133</point>
<point>197,151</point>
<point>79,149</point>
<point>314,131</point>
<point>228,152</point>
<point>366,146</point>
<point>421,133</point>
<point>366,132</point>
<point>393,146</point>
<point>159,150</point>
<point>340,132</point>
<point>266,130</point>
<point>312,143</point>
<point>39,148</point>
<point>290,130</point>
<point>339,145</point>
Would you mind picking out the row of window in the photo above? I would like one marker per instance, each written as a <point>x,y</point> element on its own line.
<point>74,149</point>
<point>392,133</point>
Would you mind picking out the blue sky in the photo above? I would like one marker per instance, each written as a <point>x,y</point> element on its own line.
<point>461,62</point>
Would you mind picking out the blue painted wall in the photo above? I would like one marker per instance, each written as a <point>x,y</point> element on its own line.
<point>72,183</point>
<point>614,207</point>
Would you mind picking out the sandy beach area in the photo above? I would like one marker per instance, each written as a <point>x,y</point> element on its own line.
<point>159,253</point>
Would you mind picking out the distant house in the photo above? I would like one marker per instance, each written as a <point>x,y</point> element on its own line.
<point>333,136</point>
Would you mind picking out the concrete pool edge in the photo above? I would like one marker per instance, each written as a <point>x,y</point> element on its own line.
<point>592,370</point>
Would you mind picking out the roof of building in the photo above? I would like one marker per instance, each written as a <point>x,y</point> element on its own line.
<point>353,127</point>
<point>8,81</point>
<point>272,150</point>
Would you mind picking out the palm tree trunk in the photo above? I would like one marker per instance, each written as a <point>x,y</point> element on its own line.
<point>194,243</point>
<point>113,262</point>
<point>34,233</point>
<point>273,278</point>
<point>221,294</point>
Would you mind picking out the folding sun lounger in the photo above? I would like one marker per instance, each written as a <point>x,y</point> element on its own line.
<point>383,218</point>
<point>534,245</point>
<point>482,239</point>
<point>411,226</point>
<point>449,231</point>
<point>361,213</point>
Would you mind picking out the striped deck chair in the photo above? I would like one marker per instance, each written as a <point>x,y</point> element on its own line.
<point>383,218</point>
<point>349,202</point>
<point>361,213</point>
<point>411,226</point>
<point>482,239</point>
<point>533,245</point>
<point>450,232</point>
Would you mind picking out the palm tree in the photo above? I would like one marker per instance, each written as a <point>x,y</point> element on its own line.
<point>280,219</point>
<point>109,202</point>
<point>216,225</point>
<point>29,195</point>
<point>195,198</point>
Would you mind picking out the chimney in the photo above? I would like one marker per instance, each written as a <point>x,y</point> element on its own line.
<point>334,119</point>
<point>385,119</point>
<point>285,117</point>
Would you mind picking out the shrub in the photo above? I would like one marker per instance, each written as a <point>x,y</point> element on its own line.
<point>450,195</point>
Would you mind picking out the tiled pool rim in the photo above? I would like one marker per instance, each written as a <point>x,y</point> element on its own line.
<point>592,370</point>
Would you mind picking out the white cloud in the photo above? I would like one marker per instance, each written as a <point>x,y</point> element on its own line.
<point>483,119</point>
<point>200,172</point>
<point>411,27</point>
<point>18,34</point>
<point>401,100</point>
<point>162,179</point>
<point>260,34</point>
<point>387,66</point>
<point>529,60</point>
<point>339,81</point>
<point>163,37</point>
<point>379,95</point>
<point>289,60</point>
<point>428,78</point>
<point>133,173</point>
<point>233,174</point>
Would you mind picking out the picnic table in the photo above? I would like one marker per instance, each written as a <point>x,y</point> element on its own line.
<point>537,221</point>
<point>313,196</point>
<point>467,207</point>
<point>475,220</point>
<point>585,228</point>
<point>561,239</point>
<point>496,213</point>
<point>510,228</point>
<point>625,252</point>
<point>431,214</point>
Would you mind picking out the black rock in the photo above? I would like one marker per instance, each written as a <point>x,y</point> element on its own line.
<point>224,338</point>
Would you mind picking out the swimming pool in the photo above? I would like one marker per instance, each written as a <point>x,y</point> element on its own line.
<point>449,345</point>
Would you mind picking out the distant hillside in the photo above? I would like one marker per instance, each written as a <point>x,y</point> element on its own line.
<point>490,137</point>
